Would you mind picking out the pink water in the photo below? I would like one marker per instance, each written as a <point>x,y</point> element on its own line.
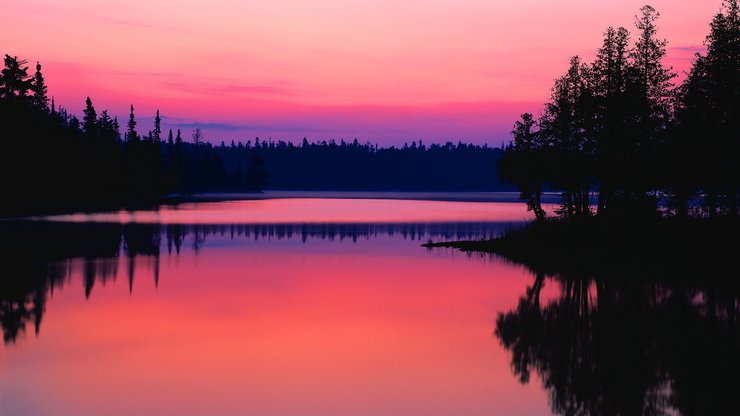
<point>237,326</point>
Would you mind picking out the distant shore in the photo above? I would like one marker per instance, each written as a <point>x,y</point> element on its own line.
<point>482,196</point>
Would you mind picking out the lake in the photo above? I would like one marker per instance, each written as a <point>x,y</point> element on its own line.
<point>316,306</point>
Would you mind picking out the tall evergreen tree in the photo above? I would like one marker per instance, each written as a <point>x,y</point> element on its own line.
<point>39,98</point>
<point>609,77</point>
<point>652,80</point>
<point>89,118</point>
<point>157,132</point>
<point>650,98</point>
<point>131,134</point>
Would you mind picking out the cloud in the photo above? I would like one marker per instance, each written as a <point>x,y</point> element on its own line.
<point>108,20</point>
<point>123,22</point>
<point>258,89</point>
<point>216,87</point>
<point>682,56</point>
<point>208,126</point>
<point>687,49</point>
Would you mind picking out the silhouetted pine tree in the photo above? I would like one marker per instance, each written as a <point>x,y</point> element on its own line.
<point>609,78</point>
<point>14,81</point>
<point>651,100</point>
<point>131,134</point>
<point>157,132</point>
<point>89,118</point>
<point>39,99</point>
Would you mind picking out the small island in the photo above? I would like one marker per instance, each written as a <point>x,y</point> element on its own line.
<point>647,167</point>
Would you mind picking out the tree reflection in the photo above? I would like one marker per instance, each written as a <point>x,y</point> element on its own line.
<point>627,346</point>
<point>39,257</point>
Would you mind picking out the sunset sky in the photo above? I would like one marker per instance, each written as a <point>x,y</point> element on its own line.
<point>377,70</point>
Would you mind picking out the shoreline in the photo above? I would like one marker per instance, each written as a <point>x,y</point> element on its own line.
<point>452,196</point>
<point>659,247</point>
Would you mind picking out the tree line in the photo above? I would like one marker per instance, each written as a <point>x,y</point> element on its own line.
<point>353,166</point>
<point>54,161</point>
<point>618,137</point>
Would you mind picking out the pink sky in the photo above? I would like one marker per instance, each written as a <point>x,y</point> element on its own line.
<point>377,70</point>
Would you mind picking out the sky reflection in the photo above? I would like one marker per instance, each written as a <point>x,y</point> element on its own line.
<point>235,325</point>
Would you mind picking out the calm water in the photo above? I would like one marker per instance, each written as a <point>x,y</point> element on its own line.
<point>325,307</point>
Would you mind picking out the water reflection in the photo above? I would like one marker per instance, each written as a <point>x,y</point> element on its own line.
<point>599,345</point>
<point>39,257</point>
<point>628,346</point>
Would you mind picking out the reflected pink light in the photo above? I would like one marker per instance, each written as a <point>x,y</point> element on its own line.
<point>314,210</point>
<point>391,330</point>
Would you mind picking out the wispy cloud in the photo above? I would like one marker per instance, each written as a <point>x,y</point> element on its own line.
<point>208,126</point>
<point>123,22</point>
<point>95,71</point>
<point>219,88</point>
<point>688,49</point>
<point>131,23</point>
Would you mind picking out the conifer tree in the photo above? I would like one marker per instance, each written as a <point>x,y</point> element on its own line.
<point>89,118</point>
<point>652,79</point>
<point>156,134</point>
<point>131,135</point>
<point>610,75</point>
<point>14,80</point>
<point>39,99</point>
<point>197,136</point>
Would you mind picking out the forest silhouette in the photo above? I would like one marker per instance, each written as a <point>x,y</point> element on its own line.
<point>54,161</point>
<point>644,320</point>
<point>617,138</point>
<point>619,132</point>
<point>648,174</point>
